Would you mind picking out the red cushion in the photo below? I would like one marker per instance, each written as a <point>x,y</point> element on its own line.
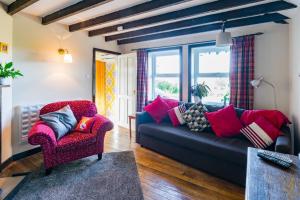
<point>85,125</point>
<point>175,115</point>
<point>158,109</point>
<point>224,122</point>
<point>261,133</point>
<point>171,102</point>
<point>274,116</point>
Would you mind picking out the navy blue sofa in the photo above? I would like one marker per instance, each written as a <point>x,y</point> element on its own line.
<point>222,157</point>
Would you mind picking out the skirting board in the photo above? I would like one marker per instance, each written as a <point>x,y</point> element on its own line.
<point>19,156</point>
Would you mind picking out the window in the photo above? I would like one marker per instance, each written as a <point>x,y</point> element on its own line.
<point>164,73</point>
<point>211,66</point>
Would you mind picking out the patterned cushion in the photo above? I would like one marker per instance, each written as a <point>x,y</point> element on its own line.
<point>175,115</point>
<point>195,118</point>
<point>261,133</point>
<point>85,125</point>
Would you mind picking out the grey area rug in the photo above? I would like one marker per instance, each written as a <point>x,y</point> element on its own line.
<point>115,177</point>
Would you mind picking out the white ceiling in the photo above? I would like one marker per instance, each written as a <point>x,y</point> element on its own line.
<point>45,7</point>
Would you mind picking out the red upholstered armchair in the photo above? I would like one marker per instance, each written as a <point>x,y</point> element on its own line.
<point>74,145</point>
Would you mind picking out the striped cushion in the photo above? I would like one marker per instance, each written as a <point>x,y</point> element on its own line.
<point>175,115</point>
<point>261,133</point>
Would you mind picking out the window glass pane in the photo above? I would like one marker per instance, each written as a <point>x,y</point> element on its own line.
<point>169,64</point>
<point>219,90</point>
<point>164,73</point>
<point>211,65</point>
<point>214,62</point>
<point>167,87</point>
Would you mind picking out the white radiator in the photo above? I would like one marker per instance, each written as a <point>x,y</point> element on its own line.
<point>27,116</point>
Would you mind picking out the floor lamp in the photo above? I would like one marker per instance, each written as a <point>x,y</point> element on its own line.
<point>257,82</point>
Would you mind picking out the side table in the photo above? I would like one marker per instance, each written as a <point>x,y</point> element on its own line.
<point>130,117</point>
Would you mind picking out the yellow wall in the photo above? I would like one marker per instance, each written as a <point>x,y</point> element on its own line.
<point>100,87</point>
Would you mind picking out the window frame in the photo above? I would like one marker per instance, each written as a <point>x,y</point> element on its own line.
<point>197,74</point>
<point>153,68</point>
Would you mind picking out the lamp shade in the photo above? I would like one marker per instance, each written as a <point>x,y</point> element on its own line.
<point>224,39</point>
<point>256,82</point>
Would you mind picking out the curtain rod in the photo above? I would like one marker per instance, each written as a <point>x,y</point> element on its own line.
<point>204,42</point>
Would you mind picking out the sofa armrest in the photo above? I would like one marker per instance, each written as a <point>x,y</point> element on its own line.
<point>283,142</point>
<point>141,118</point>
<point>101,126</point>
<point>42,134</point>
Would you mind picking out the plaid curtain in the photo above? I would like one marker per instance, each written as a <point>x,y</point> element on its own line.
<point>142,79</point>
<point>242,72</point>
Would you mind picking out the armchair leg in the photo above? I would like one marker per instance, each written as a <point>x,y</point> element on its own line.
<point>99,156</point>
<point>48,171</point>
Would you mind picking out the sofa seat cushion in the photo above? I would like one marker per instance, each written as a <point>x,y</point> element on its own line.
<point>231,149</point>
<point>75,140</point>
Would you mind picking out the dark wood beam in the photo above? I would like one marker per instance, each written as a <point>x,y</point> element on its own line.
<point>235,14</point>
<point>196,10</point>
<point>72,10</point>
<point>131,11</point>
<point>206,28</point>
<point>19,5</point>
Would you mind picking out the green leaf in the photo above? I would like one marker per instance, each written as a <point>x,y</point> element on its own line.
<point>8,65</point>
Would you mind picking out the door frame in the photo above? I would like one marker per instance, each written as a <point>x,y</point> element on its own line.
<point>95,50</point>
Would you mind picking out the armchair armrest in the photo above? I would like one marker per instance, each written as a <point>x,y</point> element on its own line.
<point>141,118</point>
<point>42,134</point>
<point>283,142</point>
<point>101,125</point>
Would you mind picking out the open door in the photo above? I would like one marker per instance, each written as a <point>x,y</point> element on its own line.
<point>126,87</point>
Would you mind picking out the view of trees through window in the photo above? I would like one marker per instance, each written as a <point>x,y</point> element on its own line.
<point>211,65</point>
<point>208,64</point>
<point>164,73</point>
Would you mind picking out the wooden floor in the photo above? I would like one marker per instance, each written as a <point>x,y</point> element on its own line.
<point>161,177</point>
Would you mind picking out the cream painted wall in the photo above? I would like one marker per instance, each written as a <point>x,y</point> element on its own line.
<point>46,78</point>
<point>6,30</point>
<point>271,54</point>
<point>295,77</point>
<point>6,24</point>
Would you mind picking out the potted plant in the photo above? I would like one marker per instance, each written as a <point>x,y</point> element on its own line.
<point>7,72</point>
<point>199,91</point>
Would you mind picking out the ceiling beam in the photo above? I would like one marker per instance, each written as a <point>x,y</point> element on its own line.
<point>72,10</point>
<point>19,5</point>
<point>131,11</point>
<point>187,12</point>
<point>229,15</point>
<point>206,28</point>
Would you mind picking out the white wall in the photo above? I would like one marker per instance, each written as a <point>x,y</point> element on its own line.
<point>294,77</point>
<point>46,78</point>
<point>271,56</point>
<point>6,29</point>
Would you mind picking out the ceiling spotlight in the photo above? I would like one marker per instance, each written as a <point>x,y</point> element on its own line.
<point>120,28</point>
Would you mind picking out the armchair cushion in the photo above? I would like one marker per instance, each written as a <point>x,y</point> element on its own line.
<point>75,140</point>
<point>61,121</point>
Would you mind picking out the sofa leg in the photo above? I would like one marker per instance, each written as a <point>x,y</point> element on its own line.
<point>48,171</point>
<point>99,156</point>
